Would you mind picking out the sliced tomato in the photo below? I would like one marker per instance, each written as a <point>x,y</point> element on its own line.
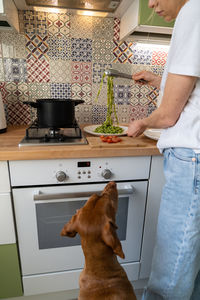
<point>104,140</point>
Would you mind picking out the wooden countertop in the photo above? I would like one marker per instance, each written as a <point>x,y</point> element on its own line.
<point>9,149</point>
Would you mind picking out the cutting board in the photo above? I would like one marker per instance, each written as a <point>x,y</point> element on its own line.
<point>96,142</point>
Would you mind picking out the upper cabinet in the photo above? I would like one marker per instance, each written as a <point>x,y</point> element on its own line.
<point>139,17</point>
<point>8,15</point>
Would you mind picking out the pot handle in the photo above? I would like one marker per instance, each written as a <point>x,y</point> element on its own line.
<point>31,103</point>
<point>78,102</point>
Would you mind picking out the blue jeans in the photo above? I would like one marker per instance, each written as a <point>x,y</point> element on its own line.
<point>175,273</point>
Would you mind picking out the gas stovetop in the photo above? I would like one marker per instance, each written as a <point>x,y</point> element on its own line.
<point>42,136</point>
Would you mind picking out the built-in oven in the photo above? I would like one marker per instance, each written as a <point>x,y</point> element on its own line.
<point>47,193</point>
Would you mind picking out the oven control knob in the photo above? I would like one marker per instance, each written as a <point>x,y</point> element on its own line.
<point>106,174</point>
<point>61,176</point>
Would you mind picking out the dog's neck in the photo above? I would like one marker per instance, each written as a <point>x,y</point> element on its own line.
<point>103,256</point>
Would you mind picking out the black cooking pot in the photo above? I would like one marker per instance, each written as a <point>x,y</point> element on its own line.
<point>57,113</point>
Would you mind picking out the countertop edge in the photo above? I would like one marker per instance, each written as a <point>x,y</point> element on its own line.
<point>9,149</point>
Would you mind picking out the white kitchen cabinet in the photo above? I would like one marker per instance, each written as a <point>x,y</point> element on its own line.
<point>8,15</point>
<point>7,232</point>
<point>156,183</point>
<point>4,177</point>
<point>138,17</point>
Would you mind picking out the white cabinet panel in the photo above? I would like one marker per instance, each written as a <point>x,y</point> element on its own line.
<point>4,177</point>
<point>156,184</point>
<point>7,232</point>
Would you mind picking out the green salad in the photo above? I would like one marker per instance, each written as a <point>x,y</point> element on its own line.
<point>107,126</point>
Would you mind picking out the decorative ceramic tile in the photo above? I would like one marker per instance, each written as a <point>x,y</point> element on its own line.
<point>18,113</point>
<point>122,94</point>
<point>159,58</point>
<point>61,90</point>
<point>81,50</point>
<point>21,21</point>
<point>99,114</point>
<point>135,91</point>
<point>35,23</point>
<point>103,28</point>
<point>12,92</point>
<point>123,114</point>
<point>83,114</point>
<point>60,71</point>
<point>152,96</point>
<point>102,100</point>
<point>13,45</point>
<point>39,91</point>
<point>81,27</point>
<point>139,94</point>
<point>16,92</point>
<point>98,71</point>
<point>81,72</point>
<point>122,52</point>
<point>36,46</point>
<point>38,70</point>
<point>82,91</point>
<point>15,69</point>
<point>1,70</point>
<point>19,46</point>
<point>116,36</point>
<point>138,112</point>
<point>157,70</point>
<point>72,52</point>
<point>141,54</point>
<point>58,24</point>
<point>4,92</point>
<point>23,91</point>
<point>59,48</point>
<point>102,50</point>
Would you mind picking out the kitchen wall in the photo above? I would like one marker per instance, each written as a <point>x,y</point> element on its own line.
<point>64,56</point>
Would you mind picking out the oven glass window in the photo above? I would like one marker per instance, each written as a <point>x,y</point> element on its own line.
<point>51,217</point>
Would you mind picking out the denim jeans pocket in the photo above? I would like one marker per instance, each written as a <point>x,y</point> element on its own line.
<point>184,154</point>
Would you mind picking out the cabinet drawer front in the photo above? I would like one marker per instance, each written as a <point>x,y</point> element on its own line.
<point>7,232</point>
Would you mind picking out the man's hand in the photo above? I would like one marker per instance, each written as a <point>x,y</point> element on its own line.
<point>136,128</point>
<point>148,77</point>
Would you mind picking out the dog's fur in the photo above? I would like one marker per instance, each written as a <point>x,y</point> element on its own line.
<point>102,278</point>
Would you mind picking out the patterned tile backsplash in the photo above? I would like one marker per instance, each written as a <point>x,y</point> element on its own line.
<point>64,56</point>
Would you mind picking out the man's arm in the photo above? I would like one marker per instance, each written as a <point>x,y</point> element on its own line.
<point>176,94</point>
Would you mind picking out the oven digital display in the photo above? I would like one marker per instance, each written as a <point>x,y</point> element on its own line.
<point>84,164</point>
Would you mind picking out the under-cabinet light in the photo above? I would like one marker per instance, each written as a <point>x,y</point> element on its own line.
<point>50,9</point>
<point>92,13</point>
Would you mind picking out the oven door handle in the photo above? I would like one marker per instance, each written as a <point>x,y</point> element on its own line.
<point>42,196</point>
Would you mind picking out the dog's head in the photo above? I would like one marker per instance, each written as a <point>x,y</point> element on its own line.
<point>96,219</point>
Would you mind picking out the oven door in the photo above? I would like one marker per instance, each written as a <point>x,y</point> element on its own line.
<point>42,212</point>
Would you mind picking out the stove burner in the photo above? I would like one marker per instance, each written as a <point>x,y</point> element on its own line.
<point>36,135</point>
<point>54,132</point>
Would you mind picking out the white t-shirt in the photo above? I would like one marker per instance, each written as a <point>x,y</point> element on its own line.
<point>184,59</point>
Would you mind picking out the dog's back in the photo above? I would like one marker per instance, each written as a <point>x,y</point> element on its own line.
<point>102,278</point>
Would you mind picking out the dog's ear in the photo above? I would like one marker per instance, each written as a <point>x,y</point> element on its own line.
<point>110,238</point>
<point>70,228</point>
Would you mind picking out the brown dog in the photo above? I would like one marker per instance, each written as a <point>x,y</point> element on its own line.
<point>102,278</point>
